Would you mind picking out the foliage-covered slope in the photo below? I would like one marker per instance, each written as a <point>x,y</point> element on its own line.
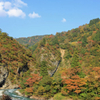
<point>29,41</point>
<point>14,56</point>
<point>78,73</point>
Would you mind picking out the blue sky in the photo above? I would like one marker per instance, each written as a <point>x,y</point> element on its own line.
<point>25,18</point>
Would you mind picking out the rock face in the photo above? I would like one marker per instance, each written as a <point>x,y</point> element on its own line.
<point>8,85</point>
<point>5,83</point>
<point>52,60</point>
<point>53,72</point>
<point>3,75</point>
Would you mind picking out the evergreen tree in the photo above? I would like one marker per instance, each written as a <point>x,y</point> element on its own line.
<point>97,36</point>
<point>75,60</point>
<point>94,21</point>
<point>42,43</point>
<point>75,64</point>
<point>43,69</point>
<point>84,40</point>
<point>0,58</point>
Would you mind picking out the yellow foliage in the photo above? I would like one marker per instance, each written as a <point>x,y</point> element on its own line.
<point>74,43</point>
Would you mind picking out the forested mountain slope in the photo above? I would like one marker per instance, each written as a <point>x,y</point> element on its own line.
<point>78,51</point>
<point>29,41</point>
<point>74,56</point>
<point>14,57</point>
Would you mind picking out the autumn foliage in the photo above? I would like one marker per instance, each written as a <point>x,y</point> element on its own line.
<point>77,73</point>
<point>34,79</point>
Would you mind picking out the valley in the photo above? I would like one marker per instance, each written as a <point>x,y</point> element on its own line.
<point>53,67</point>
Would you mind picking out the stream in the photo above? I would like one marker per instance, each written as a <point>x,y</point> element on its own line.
<point>13,95</point>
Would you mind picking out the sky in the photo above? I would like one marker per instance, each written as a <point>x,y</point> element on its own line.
<point>25,18</point>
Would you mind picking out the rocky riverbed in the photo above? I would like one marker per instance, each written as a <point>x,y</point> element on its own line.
<point>13,93</point>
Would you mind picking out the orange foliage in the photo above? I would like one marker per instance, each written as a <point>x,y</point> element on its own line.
<point>72,81</point>
<point>51,36</point>
<point>94,31</point>
<point>79,42</point>
<point>34,79</point>
<point>30,90</point>
<point>0,44</point>
<point>30,41</point>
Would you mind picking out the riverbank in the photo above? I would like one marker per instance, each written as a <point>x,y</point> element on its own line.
<point>14,96</point>
<point>18,93</point>
<point>32,97</point>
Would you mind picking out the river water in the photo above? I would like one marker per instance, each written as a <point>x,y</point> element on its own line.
<point>13,95</point>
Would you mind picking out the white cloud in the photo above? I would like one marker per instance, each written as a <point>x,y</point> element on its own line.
<point>64,20</point>
<point>2,12</point>
<point>1,5</point>
<point>19,3</point>
<point>16,13</point>
<point>7,5</point>
<point>34,15</point>
<point>12,8</point>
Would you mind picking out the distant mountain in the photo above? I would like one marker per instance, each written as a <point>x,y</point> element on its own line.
<point>29,41</point>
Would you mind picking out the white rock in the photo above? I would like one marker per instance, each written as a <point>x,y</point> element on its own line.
<point>1,92</point>
<point>18,93</point>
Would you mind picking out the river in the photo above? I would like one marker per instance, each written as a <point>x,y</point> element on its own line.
<point>13,95</point>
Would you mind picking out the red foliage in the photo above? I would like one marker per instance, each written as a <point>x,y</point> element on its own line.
<point>35,78</point>
<point>30,90</point>
<point>79,42</point>
<point>51,36</point>
<point>72,81</point>
<point>94,31</point>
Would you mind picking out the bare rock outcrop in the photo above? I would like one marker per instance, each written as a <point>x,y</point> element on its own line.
<point>5,83</point>
<point>52,60</point>
<point>9,85</point>
<point>3,75</point>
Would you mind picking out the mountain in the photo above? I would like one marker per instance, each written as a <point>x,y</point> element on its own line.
<point>14,60</point>
<point>62,66</point>
<point>29,41</point>
<point>72,58</point>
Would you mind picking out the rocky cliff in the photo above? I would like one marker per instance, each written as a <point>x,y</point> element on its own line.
<point>3,75</point>
<point>5,83</point>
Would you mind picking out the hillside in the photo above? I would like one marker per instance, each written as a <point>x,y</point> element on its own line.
<point>14,58</point>
<point>77,53</point>
<point>29,41</point>
<point>62,66</point>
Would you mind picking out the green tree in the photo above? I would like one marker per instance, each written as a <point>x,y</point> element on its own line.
<point>42,43</point>
<point>43,69</point>
<point>94,21</point>
<point>75,60</point>
<point>54,41</point>
<point>76,65</point>
<point>97,36</point>
<point>46,81</point>
<point>0,58</point>
<point>84,40</point>
<point>34,47</point>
